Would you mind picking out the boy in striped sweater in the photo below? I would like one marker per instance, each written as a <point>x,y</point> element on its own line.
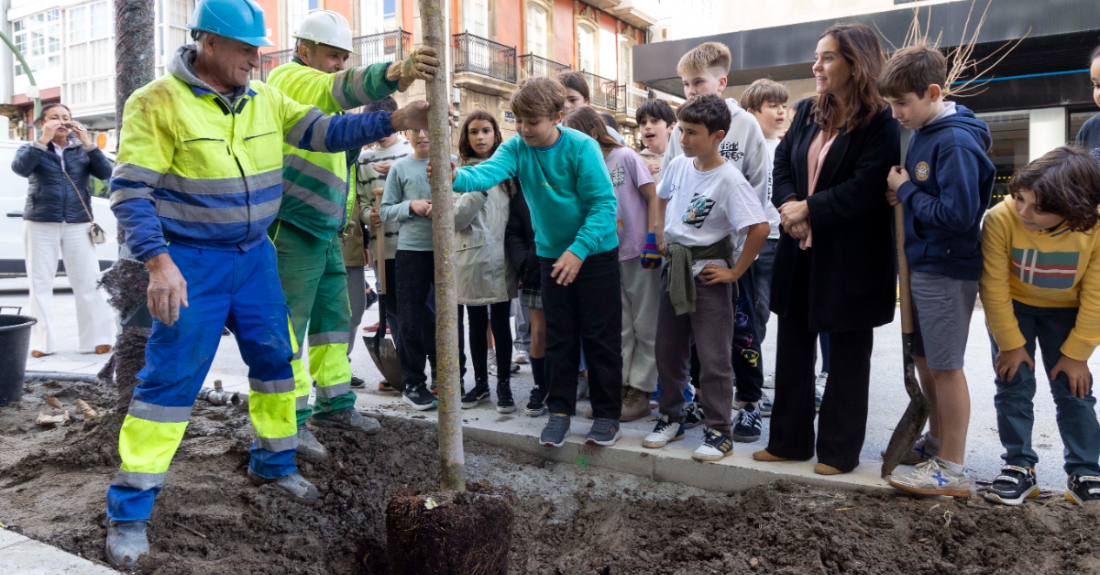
<point>1041,281</point>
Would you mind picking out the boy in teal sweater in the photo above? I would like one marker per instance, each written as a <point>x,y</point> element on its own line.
<point>572,203</point>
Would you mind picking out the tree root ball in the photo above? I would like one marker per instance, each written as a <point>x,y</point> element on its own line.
<point>467,533</point>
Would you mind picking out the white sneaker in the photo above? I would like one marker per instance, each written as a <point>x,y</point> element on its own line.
<point>933,477</point>
<point>666,431</point>
<point>769,381</point>
<point>819,388</point>
<point>520,357</point>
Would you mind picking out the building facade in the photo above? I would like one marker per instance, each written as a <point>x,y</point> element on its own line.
<point>69,45</point>
<point>1034,100</point>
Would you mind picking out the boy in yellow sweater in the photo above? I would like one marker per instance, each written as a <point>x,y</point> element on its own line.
<point>1041,280</point>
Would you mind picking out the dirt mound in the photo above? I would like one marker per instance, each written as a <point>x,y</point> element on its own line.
<point>210,519</point>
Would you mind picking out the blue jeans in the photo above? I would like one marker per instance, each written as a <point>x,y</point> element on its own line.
<point>1076,417</point>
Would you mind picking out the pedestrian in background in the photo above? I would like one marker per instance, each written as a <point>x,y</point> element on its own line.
<point>57,221</point>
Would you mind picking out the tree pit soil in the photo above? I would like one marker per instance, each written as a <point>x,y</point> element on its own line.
<point>568,519</point>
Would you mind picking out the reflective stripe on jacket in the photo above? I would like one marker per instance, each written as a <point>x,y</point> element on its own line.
<point>204,170</point>
<point>315,184</point>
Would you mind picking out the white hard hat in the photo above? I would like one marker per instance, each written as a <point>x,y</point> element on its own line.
<point>326,27</point>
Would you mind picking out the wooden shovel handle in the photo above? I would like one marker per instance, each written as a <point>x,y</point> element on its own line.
<point>380,241</point>
<point>903,271</point>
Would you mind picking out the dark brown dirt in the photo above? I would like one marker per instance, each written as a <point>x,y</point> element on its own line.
<point>210,519</point>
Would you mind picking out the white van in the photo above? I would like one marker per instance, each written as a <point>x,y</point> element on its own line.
<point>13,196</point>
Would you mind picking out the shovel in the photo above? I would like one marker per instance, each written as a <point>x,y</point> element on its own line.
<point>912,421</point>
<point>381,350</point>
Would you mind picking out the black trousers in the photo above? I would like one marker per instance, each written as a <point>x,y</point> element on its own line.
<point>481,317</point>
<point>415,273</point>
<point>842,422</point>
<point>588,310</point>
<point>748,371</point>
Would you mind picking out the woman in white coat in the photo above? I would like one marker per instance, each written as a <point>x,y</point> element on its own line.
<point>486,283</point>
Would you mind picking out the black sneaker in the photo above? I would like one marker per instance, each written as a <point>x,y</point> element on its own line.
<point>420,398</point>
<point>475,396</point>
<point>372,297</point>
<point>505,403</point>
<point>695,416</point>
<point>553,435</point>
<point>604,432</point>
<point>749,425</point>
<point>1013,486</point>
<point>536,404</point>
<point>357,383</point>
<point>1082,489</point>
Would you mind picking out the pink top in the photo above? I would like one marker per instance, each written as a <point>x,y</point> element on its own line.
<point>819,148</point>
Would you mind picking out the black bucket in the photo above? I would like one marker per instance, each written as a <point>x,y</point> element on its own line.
<point>15,342</point>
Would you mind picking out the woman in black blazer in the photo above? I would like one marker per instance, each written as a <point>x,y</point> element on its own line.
<point>834,266</point>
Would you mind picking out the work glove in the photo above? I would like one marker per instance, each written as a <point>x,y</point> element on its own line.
<point>420,65</point>
<point>651,257</point>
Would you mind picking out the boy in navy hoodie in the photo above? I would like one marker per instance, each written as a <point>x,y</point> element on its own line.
<point>945,187</point>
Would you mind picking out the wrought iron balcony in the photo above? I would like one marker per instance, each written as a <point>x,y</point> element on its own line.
<point>531,65</point>
<point>602,92</point>
<point>483,56</point>
<point>630,99</point>
<point>391,46</point>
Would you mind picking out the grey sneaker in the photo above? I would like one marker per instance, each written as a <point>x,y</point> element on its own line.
<point>584,409</point>
<point>582,387</point>
<point>765,405</point>
<point>635,404</point>
<point>933,477</point>
<point>553,435</point>
<point>349,419</point>
<point>309,449</point>
<point>604,432</point>
<point>922,451</point>
<point>126,543</point>
<point>293,486</point>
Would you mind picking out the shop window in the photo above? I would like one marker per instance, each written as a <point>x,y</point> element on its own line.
<point>1011,146</point>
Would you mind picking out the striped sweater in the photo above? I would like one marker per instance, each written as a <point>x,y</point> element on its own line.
<point>1055,268</point>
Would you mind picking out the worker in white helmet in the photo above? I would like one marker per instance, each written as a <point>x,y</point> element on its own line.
<point>316,202</point>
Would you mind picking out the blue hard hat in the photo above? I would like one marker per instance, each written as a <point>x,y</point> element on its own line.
<point>241,20</point>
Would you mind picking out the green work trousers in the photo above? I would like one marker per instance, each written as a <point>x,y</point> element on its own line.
<point>315,285</point>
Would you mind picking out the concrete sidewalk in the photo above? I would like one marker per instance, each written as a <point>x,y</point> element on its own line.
<point>20,555</point>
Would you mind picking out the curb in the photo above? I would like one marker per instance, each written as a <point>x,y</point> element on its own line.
<point>21,555</point>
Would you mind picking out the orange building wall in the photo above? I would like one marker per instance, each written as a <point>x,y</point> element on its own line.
<point>271,22</point>
<point>509,24</point>
<point>565,43</point>
<point>407,9</point>
<point>341,6</point>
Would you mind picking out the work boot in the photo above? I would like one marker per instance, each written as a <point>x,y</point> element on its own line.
<point>126,543</point>
<point>635,404</point>
<point>309,449</point>
<point>349,419</point>
<point>505,403</point>
<point>293,486</point>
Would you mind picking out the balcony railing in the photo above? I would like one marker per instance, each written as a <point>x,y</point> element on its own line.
<point>483,56</point>
<point>270,61</point>
<point>390,46</point>
<point>531,65</point>
<point>630,99</point>
<point>602,92</point>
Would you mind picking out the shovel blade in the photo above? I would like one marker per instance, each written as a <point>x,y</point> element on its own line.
<point>386,361</point>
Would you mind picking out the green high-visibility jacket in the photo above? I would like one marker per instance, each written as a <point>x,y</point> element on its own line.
<point>315,185</point>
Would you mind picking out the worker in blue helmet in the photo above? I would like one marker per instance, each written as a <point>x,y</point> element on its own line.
<point>196,184</point>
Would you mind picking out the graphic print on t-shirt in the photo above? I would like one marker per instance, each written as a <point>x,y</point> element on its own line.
<point>1054,270</point>
<point>618,176</point>
<point>697,210</point>
<point>731,151</point>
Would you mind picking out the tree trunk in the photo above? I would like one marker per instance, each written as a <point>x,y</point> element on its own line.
<point>127,279</point>
<point>452,463</point>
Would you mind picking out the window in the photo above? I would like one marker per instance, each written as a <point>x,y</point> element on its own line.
<point>372,17</point>
<point>38,38</point>
<point>89,56</point>
<point>625,62</point>
<point>586,49</point>
<point>172,17</point>
<point>1011,145</point>
<point>476,17</point>
<point>537,30</point>
<point>298,10</point>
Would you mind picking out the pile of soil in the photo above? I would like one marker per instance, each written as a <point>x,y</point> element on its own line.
<point>568,519</point>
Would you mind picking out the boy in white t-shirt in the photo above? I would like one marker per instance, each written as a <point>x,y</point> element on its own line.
<point>714,228</point>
